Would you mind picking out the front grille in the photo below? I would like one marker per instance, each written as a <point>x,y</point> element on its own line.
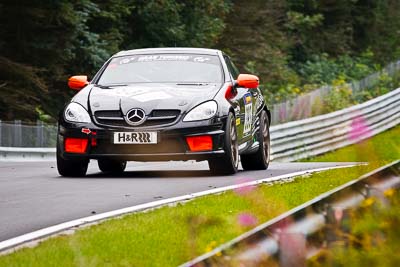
<point>110,118</point>
<point>164,112</point>
<point>157,117</point>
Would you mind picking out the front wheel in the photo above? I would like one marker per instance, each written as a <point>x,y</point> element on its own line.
<point>111,166</point>
<point>72,168</point>
<point>260,159</point>
<point>227,164</point>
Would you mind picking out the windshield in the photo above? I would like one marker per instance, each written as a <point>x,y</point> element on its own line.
<point>163,68</point>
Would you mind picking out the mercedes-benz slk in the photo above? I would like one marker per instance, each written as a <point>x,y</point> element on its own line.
<point>164,104</point>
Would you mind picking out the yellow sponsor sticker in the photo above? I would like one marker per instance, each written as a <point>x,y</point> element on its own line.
<point>248,99</point>
<point>237,121</point>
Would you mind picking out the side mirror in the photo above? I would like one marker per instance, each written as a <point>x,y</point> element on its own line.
<point>248,81</point>
<point>77,82</point>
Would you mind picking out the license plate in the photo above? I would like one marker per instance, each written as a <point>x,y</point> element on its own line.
<point>135,138</point>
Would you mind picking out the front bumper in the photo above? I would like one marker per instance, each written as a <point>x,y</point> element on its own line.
<point>171,142</point>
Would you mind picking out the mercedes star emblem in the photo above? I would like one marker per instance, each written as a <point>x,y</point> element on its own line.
<point>135,116</point>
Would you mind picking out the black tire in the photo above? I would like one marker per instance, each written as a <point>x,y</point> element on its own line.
<point>227,164</point>
<point>111,166</point>
<point>260,159</point>
<point>72,168</point>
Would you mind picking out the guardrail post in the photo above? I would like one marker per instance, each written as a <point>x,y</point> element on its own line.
<point>39,134</point>
<point>292,249</point>
<point>17,133</point>
<point>337,225</point>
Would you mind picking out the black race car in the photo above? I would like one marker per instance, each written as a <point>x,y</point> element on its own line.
<point>165,104</point>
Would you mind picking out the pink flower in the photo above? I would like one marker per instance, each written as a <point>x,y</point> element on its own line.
<point>246,188</point>
<point>247,219</point>
<point>359,129</point>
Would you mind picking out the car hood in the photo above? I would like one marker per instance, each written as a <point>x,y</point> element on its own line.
<point>150,96</point>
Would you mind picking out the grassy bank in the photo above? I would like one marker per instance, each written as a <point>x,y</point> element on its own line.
<point>170,236</point>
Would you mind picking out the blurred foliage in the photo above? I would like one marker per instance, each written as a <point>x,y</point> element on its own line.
<point>42,43</point>
<point>342,96</point>
<point>372,237</point>
<point>294,46</point>
<point>339,97</point>
<point>21,87</point>
<point>322,69</point>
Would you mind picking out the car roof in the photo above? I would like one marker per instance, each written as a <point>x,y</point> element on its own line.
<point>166,50</point>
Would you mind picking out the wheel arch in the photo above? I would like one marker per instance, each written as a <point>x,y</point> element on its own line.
<point>268,114</point>
<point>231,110</point>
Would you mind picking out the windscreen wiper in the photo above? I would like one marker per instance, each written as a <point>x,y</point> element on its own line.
<point>108,86</point>
<point>197,84</point>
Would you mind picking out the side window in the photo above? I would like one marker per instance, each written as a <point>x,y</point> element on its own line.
<point>231,67</point>
<point>236,70</point>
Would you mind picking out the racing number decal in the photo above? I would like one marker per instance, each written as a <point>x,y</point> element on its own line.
<point>248,114</point>
<point>248,117</point>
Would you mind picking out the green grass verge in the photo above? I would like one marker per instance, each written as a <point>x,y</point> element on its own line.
<point>170,236</point>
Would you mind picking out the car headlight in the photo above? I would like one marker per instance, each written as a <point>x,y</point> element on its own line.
<point>76,113</point>
<point>202,112</point>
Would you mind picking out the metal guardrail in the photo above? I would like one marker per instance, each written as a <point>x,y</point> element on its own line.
<point>23,134</point>
<point>27,142</point>
<point>27,153</point>
<point>313,136</point>
<point>303,231</point>
<point>290,141</point>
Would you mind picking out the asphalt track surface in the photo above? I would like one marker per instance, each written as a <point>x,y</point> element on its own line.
<point>33,196</point>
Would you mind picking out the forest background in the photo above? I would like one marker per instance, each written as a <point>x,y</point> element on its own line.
<point>293,46</point>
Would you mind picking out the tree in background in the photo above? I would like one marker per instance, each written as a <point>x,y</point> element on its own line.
<point>42,43</point>
<point>172,23</point>
<point>297,45</point>
<point>36,48</point>
<point>255,37</point>
<point>288,43</point>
